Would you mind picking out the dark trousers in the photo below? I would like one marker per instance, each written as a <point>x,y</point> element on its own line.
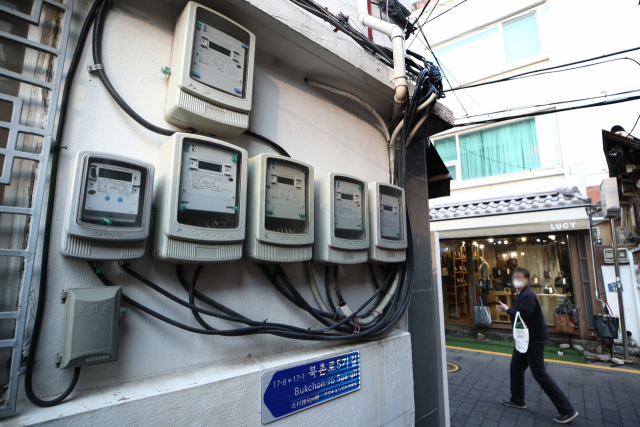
<point>534,360</point>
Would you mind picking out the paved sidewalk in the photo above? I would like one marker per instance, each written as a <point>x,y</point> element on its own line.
<point>602,397</point>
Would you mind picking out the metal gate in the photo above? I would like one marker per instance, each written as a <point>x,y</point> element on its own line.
<point>30,79</point>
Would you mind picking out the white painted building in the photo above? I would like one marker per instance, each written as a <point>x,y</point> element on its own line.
<point>481,40</point>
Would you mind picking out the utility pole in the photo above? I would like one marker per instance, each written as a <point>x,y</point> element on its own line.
<point>614,239</point>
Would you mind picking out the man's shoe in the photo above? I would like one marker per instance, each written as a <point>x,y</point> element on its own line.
<point>563,419</point>
<point>509,403</point>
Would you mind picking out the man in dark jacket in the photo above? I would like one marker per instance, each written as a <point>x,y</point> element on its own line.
<point>531,313</point>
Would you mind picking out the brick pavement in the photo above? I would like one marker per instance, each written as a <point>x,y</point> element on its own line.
<point>602,397</point>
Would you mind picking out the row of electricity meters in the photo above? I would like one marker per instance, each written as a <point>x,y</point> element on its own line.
<point>213,204</point>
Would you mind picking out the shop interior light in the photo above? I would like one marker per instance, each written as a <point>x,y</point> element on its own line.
<point>552,236</point>
<point>481,246</point>
<point>522,253</point>
<point>504,255</point>
<point>499,242</point>
<point>537,240</point>
<point>514,254</point>
<point>490,240</point>
<point>475,243</point>
<point>506,242</point>
<point>562,243</point>
<point>524,239</point>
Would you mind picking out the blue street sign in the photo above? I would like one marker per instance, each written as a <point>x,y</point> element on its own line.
<point>298,388</point>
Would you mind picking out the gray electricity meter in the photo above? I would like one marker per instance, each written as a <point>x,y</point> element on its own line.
<point>388,223</point>
<point>108,207</point>
<point>91,320</point>
<point>342,220</point>
<point>280,216</point>
<point>201,200</point>
<point>211,82</point>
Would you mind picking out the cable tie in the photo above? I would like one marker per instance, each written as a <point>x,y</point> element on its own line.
<point>94,68</point>
<point>336,315</point>
<point>264,323</point>
<point>308,335</point>
<point>356,330</point>
<point>399,77</point>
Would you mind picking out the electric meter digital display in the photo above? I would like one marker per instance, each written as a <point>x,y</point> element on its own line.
<point>108,207</point>
<point>391,214</point>
<point>285,197</point>
<point>112,195</point>
<point>208,186</point>
<point>349,209</point>
<point>202,193</point>
<point>342,219</point>
<point>219,54</point>
<point>388,223</point>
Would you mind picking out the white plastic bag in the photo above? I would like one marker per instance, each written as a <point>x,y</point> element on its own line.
<point>520,334</point>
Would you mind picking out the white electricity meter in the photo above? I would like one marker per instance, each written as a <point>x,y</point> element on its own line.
<point>342,218</point>
<point>280,216</point>
<point>108,207</point>
<point>387,223</point>
<point>211,81</point>
<point>201,200</point>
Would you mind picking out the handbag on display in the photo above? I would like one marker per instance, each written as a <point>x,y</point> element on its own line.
<point>482,313</point>
<point>547,289</point>
<point>535,281</point>
<point>498,285</point>
<point>564,318</point>
<point>607,325</point>
<point>563,283</point>
<point>547,274</point>
<point>497,273</point>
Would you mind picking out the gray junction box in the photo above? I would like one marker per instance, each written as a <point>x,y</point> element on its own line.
<point>90,333</point>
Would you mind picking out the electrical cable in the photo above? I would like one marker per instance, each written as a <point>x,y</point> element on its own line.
<point>555,67</point>
<point>541,113</point>
<point>550,104</point>
<point>438,16</point>
<point>46,240</point>
<point>97,59</point>
<point>267,141</point>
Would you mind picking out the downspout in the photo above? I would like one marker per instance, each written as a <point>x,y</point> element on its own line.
<point>397,40</point>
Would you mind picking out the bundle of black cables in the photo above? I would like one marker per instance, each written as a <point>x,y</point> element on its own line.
<point>337,327</point>
<point>341,22</point>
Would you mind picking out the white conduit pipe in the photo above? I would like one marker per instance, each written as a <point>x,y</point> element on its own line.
<point>355,98</point>
<point>397,40</point>
<point>377,312</point>
<point>421,107</point>
<point>311,280</point>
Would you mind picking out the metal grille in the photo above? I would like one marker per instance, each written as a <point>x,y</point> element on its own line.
<point>17,260</point>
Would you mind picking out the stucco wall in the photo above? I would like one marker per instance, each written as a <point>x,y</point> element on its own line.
<point>316,127</point>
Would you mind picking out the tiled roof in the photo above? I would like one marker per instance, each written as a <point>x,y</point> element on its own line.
<point>560,197</point>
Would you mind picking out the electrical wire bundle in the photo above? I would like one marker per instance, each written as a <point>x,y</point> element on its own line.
<point>341,22</point>
<point>389,302</point>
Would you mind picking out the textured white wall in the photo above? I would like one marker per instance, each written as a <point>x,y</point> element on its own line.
<point>316,127</point>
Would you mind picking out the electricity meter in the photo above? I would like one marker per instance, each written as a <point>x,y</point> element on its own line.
<point>108,207</point>
<point>211,81</point>
<point>387,223</point>
<point>280,217</point>
<point>342,218</point>
<point>201,200</point>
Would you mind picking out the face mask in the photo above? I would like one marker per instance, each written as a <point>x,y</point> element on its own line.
<point>518,284</point>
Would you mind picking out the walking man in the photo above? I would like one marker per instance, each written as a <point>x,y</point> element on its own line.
<point>529,307</point>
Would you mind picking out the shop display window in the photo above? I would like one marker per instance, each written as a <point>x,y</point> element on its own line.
<point>546,256</point>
